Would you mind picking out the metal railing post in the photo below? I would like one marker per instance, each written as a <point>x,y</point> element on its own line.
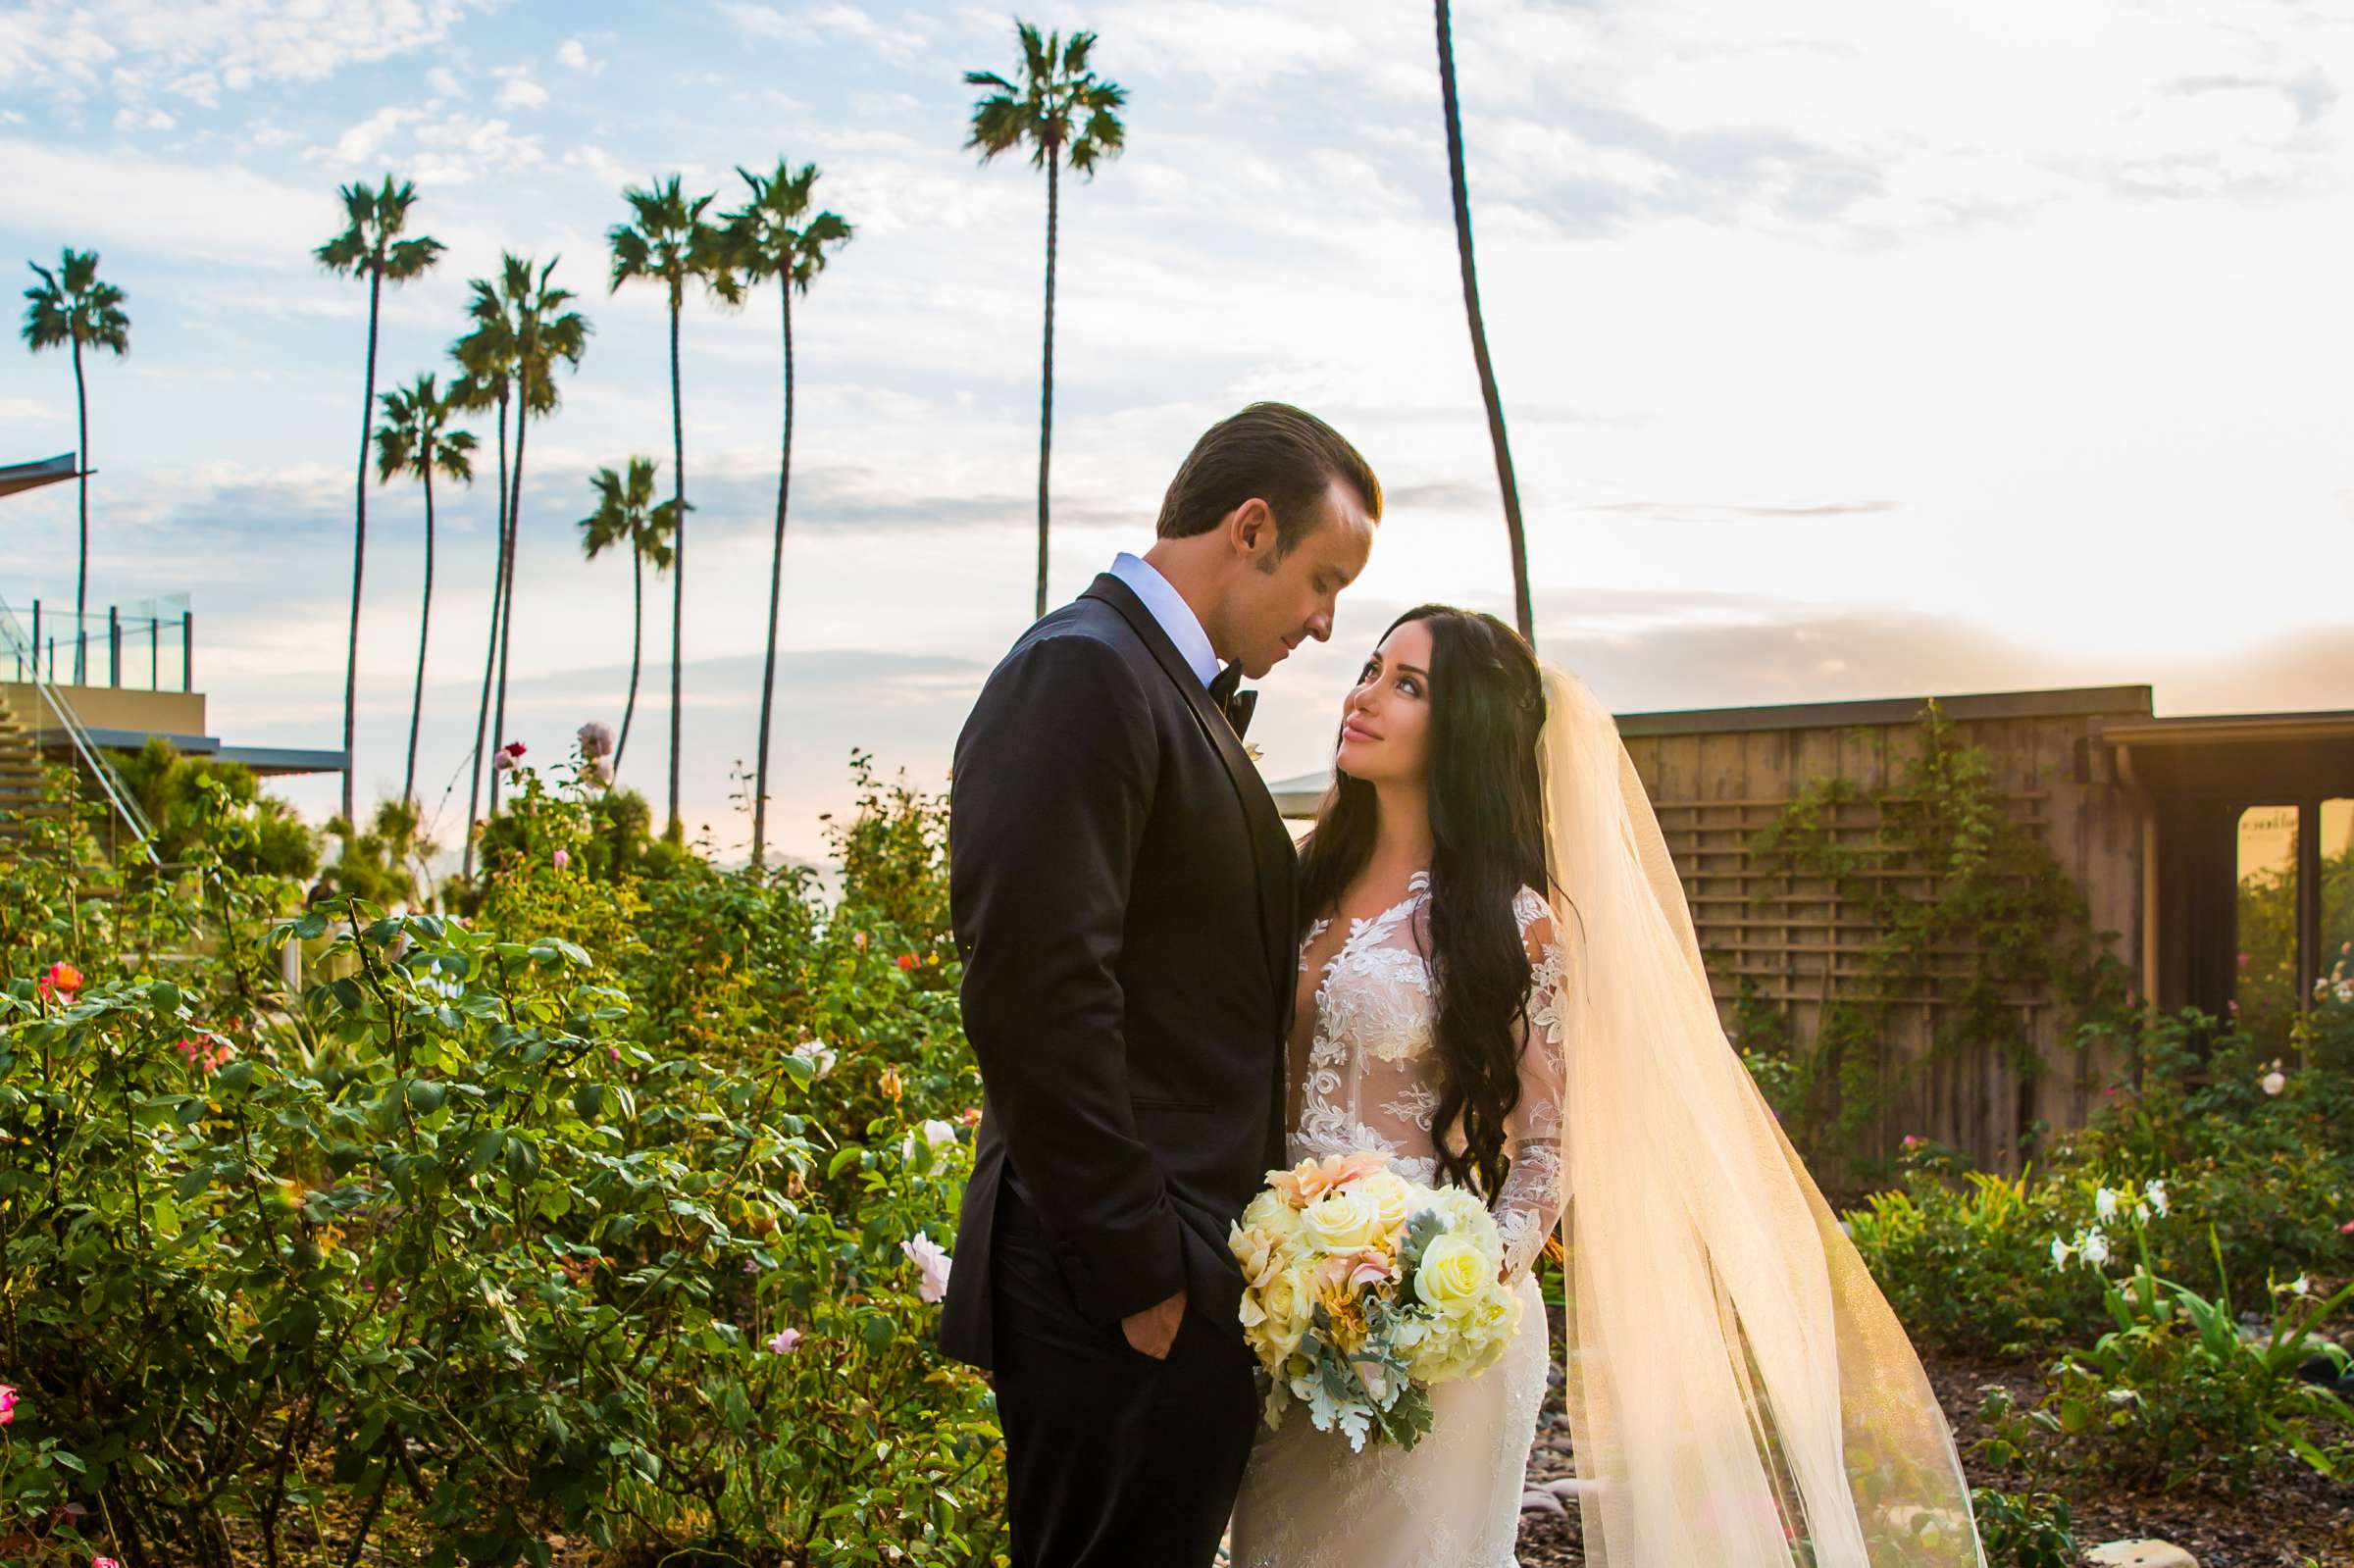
<point>113,647</point>
<point>155,653</point>
<point>187,650</point>
<point>36,639</point>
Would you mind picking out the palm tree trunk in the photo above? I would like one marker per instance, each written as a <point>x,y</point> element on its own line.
<point>776,580</point>
<point>425,621</point>
<point>506,619</point>
<point>499,589</point>
<point>1479,331</point>
<point>628,709</point>
<point>81,575</point>
<point>359,542</point>
<point>678,558</point>
<point>1046,384</point>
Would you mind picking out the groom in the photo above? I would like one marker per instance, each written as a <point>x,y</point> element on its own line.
<point>1121,887</point>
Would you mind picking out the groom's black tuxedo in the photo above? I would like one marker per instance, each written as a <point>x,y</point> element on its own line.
<point>1122,892</point>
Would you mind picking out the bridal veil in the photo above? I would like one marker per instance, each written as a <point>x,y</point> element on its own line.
<point>1739,1392</point>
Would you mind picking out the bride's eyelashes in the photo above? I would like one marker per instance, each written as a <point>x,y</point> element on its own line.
<point>1409,684</point>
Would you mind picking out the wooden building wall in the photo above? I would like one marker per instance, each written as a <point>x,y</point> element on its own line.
<point>1715,778</point>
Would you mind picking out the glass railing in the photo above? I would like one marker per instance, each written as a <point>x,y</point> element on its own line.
<point>19,648</point>
<point>148,646</point>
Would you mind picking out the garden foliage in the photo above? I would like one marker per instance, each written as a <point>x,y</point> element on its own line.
<point>611,1211</point>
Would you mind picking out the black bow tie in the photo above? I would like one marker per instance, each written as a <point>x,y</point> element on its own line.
<point>1227,695</point>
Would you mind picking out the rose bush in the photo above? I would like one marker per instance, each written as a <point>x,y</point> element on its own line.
<point>614,1211</point>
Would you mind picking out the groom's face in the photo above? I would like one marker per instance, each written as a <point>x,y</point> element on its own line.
<point>1287,599</point>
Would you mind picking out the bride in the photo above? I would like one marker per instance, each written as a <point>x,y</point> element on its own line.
<point>1500,990</point>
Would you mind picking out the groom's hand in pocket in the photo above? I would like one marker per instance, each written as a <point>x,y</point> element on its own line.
<point>1153,1330</point>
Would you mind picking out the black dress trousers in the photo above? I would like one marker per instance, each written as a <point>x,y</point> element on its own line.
<point>1113,1459</point>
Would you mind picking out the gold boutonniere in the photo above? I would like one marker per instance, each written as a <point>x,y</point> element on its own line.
<point>1251,751</point>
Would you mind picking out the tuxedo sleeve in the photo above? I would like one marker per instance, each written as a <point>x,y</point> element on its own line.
<point>1054,782</point>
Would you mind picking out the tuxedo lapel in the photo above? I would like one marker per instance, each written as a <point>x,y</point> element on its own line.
<point>1271,854</point>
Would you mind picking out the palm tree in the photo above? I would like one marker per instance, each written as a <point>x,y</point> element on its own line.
<point>72,306</point>
<point>486,358</point>
<point>628,514</point>
<point>544,333</point>
<point>413,441</point>
<point>670,242</point>
<point>522,329</point>
<point>370,246</point>
<point>775,236</point>
<point>1479,329</point>
<point>1046,110</point>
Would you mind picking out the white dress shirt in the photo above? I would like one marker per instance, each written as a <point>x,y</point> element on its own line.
<point>1168,607</point>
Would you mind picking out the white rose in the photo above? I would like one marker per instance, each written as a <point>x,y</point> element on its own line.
<point>1343,1221</point>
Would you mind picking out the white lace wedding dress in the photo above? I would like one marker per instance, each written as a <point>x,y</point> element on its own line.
<point>1454,1501</point>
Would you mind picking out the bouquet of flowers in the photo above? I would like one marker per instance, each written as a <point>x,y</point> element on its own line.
<point>1363,1288</point>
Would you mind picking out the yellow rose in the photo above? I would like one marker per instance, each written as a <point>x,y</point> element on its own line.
<point>1343,1221</point>
<point>1392,1199</point>
<point>1285,1303</point>
<point>1271,1215</point>
<point>1454,1276</point>
<point>1466,1216</point>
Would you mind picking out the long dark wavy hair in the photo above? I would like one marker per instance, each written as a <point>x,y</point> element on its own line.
<point>1487,827</point>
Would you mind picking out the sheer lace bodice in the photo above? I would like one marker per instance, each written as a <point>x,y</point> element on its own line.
<point>1309,1501</point>
<point>1368,1083</point>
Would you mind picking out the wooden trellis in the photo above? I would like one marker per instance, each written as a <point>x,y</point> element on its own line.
<point>1717,779</point>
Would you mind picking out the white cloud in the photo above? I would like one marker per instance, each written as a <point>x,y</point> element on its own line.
<point>574,54</point>
<point>129,119</point>
<point>442,83</point>
<point>163,207</point>
<point>520,91</point>
<point>364,142</point>
<point>896,39</point>
<point>33,411</point>
<point>461,149</point>
<point>61,45</point>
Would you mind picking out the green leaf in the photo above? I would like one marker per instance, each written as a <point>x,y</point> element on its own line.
<point>588,1099</point>
<point>427,1095</point>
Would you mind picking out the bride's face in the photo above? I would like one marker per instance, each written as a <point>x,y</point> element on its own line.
<point>1385,723</point>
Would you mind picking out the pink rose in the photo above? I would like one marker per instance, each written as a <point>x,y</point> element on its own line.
<point>8,1404</point>
<point>560,859</point>
<point>784,1340</point>
<point>1311,1180</point>
<point>1358,1270</point>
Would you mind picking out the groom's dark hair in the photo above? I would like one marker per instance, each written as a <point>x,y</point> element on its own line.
<point>1285,456</point>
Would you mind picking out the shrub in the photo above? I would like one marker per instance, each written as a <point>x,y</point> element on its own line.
<point>2177,1394</point>
<point>1967,1267</point>
<point>523,1223</point>
<point>2024,1529</point>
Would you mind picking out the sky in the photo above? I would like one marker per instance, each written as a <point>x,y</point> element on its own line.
<point>1849,350</point>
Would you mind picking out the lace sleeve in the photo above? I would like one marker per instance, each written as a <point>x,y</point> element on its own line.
<point>1530,1204</point>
